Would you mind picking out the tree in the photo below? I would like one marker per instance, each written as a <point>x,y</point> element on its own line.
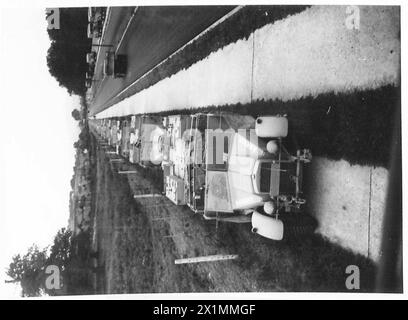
<point>76,114</point>
<point>69,45</point>
<point>60,252</point>
<point>83,140</point>
<point>68,252</point>
<point>29,271</point>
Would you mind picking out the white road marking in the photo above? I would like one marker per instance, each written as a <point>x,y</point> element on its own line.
<point>149,195</point>
<point>216,257</point>
<point>126,29</point>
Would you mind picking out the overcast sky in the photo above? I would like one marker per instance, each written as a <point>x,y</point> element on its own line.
<point>37,136</point>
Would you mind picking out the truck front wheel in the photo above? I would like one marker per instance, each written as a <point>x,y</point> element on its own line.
<point>297,225</point>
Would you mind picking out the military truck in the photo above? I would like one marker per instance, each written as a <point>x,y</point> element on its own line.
<point>114,65</point>
<point>235,168</point>
<point>145,140</point>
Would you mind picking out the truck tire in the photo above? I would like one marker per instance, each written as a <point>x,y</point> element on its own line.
<point>298,225</point>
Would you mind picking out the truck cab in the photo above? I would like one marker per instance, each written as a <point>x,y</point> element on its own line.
<point>114,65</point>
<point>124,144</point>
<point>235,168</point>
<point>145,140</point>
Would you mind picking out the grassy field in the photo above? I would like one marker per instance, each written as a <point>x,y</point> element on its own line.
<point>138,241</point>
<point>132,254</point>
<point>119,225</point>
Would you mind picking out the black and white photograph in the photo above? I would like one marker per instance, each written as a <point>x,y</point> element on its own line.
<point>206,149</point>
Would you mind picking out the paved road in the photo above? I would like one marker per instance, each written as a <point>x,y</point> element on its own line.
<point>116,21</point>
<point>151,36</point>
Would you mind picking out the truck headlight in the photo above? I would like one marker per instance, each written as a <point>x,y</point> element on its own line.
<point>272,147</point>
<point>269,207</point>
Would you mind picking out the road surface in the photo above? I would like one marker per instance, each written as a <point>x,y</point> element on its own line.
<point>147,35</point>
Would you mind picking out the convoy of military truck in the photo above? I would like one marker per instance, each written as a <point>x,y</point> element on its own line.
<point>226,167</point>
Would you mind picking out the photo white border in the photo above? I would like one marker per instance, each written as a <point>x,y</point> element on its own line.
<point>256,295</point>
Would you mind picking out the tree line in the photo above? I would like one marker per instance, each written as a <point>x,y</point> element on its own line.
<point>69,45</point>
<point>71,254</point>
